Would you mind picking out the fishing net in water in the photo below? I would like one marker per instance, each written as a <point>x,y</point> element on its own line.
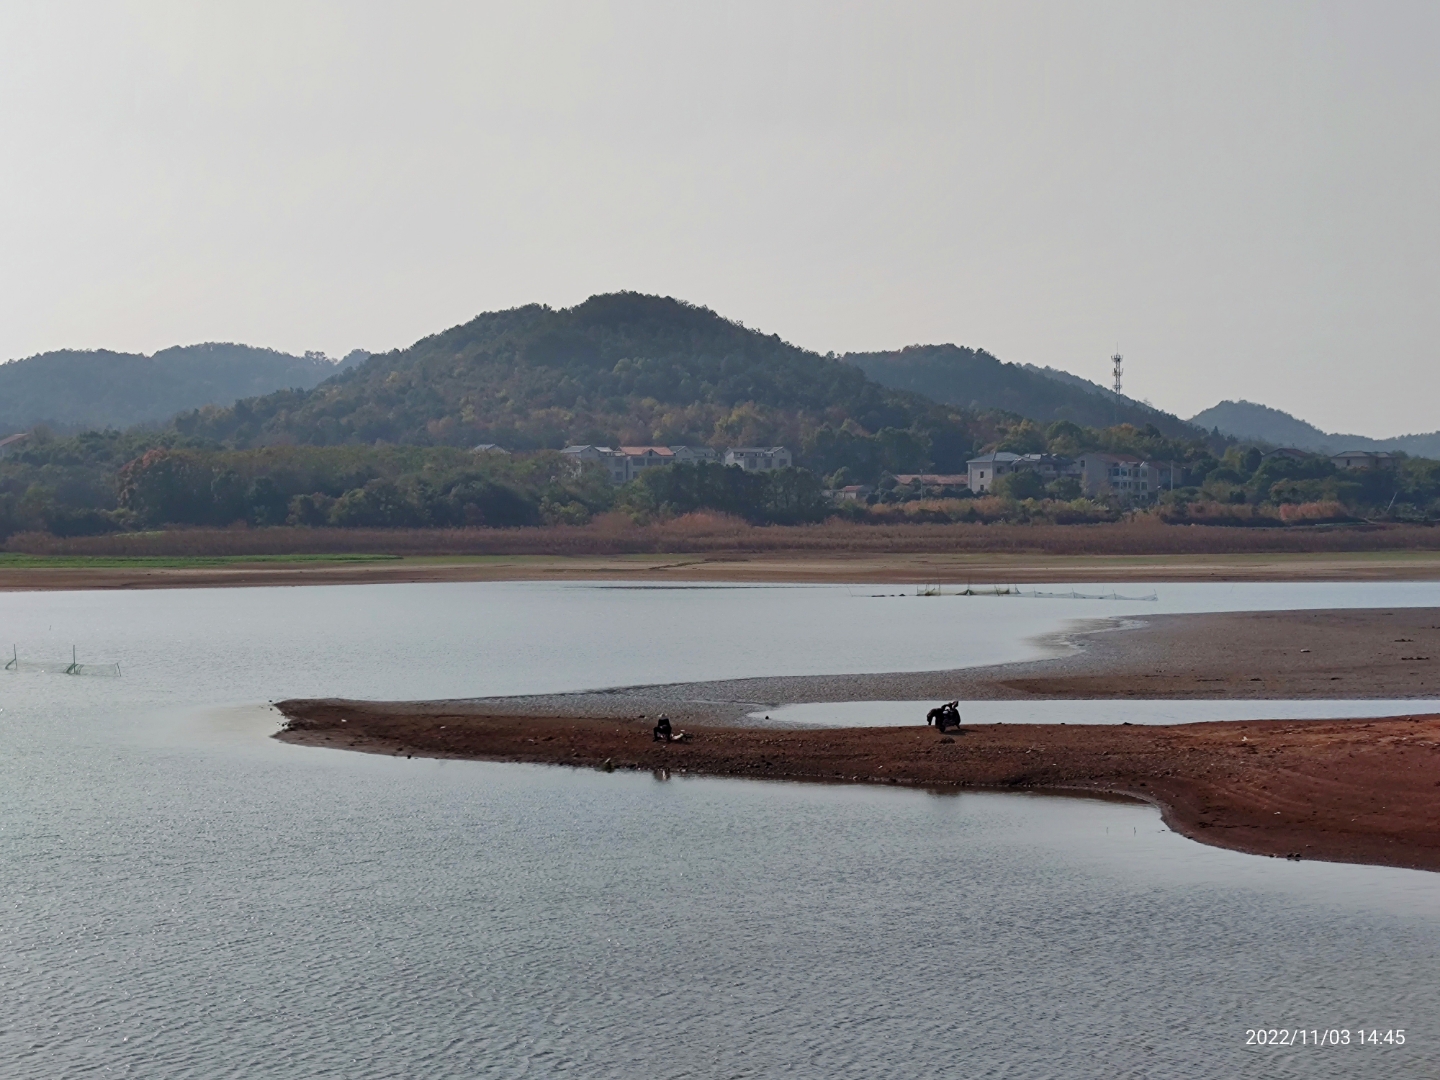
<point>46,667</point>
<point>1012,590</point>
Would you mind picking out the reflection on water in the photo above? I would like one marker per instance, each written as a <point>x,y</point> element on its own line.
<point>184,897</point>
<point>217,646</point>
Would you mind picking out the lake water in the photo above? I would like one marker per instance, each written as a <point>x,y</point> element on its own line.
<point>1124,711</point>
<point>184,897</point>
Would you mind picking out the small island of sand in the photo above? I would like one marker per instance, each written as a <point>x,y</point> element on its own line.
<point>1365,791</point>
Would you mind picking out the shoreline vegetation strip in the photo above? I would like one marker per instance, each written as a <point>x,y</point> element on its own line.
<point>913,570</point>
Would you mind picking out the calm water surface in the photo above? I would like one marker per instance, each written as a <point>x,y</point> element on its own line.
<point>1122,711</point>
<point>181,896</point>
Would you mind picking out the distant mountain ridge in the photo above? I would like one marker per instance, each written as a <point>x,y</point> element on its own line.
<point>72,389</point>
<point>1248,420</point>
<point>956,375</point>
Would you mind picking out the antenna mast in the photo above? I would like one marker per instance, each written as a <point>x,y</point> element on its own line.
<point>1117,361</point>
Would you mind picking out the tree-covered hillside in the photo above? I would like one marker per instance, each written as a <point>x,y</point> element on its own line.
<point>387,442</point>
<point>973,378</point>
<point>73,389</point>
<point>1247,420</point>
<point>622,369</point>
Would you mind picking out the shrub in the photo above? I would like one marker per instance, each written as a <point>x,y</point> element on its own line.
<point>1020,484</point>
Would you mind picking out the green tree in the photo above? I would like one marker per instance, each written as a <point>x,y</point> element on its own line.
<point>1020,484</point>
<point>167,486</point>
<point>1067,439</point>
<point>1026,437</point>
<point>793,496</point>
<point>379,504</point>
<point>1065,488</point>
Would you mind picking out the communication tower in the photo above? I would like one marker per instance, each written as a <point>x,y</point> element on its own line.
<point>1116,361</point>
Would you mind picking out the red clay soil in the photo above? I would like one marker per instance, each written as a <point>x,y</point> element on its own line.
<point>1363,791</point>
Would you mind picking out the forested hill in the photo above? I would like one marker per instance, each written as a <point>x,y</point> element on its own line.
<point>620,368</point>
<point>1247,420</point>
<point>72,389</point>
<point>973,378</point>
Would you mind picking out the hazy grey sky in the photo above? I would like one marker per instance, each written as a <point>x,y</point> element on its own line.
<point>1242,196</point>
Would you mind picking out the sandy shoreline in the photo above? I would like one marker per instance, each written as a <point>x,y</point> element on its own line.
<point>1343,791</point>
<point>1234,655</point>
<point>742,567</point>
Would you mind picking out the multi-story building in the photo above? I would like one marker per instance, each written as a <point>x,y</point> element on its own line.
<point>627,462</point>
<point>1049,466</point>
<point>1123,476</point>
<point>695,455</point>
<point>1364,459</point>
<point>615,463</point>
<point>758,458</point>
<point>983,471</point>
<point>640,458</point>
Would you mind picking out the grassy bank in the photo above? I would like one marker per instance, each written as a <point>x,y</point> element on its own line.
<point>15,561</point>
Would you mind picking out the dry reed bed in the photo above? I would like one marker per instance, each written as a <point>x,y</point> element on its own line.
<point>708,533</point>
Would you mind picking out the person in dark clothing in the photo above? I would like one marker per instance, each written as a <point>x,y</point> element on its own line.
<point>662,730</point>
<point>946,716</point>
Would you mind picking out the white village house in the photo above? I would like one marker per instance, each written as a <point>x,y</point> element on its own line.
<point>613,461</point>
<point>627,462</point>
<point>1122,476</point>
<point>640,458</point>
<point>1365,459</point>
<point>983,471</point>
<point>695,455</point>
<point>1129,478</point>
<point>758,458</point>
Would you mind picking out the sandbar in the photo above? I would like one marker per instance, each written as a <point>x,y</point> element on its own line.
<point>1317,655</point>
<point>1343,791</point>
